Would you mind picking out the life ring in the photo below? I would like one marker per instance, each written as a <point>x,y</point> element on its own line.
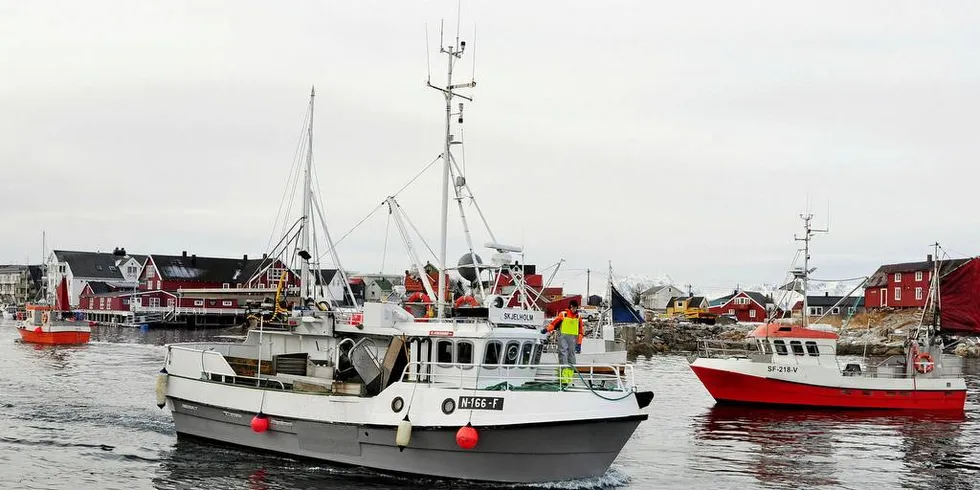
<point>924,363</point>
<point>418,297</point>
<point>467,301</point>
<point>44,317</point>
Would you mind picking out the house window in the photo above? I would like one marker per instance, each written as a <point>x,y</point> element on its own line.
<point>198,302</point>
<point>751,313</point>
<point>797,347</point>
<point>261,286</point>
<point>835,310</point>
<point>154,302</point>
<point>678,304</point>
<point>741,301</point>
<point>444,352</point>
<point>811,348</point>
<point>815,310</point>
<point>492,355</point>
<point>898,294</point>
<point>918,293</point>
<point>101,303</point>
<point>226,303</point>
<point>898,277</point>
<point>918,276</point>
<point>731,311</point>
<point>780,347</point>
<point>238,285</point>
<point>225,285</point>
<point>171,302</point>
<point>91,303</point>
<point>149,272</point>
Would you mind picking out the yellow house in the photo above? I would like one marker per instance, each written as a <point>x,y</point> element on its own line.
<point>689,306</point>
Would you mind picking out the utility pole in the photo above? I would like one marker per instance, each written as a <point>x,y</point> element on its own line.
<point>588,279</point>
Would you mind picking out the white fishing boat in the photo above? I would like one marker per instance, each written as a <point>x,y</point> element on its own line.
<point>790,364</point>
<point>460,395</point>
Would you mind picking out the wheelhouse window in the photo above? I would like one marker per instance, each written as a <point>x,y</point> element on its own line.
<point>797,347</point>
<point>536,358</point>
<point>511,353</point>
<point>492,354</point>
<point>765,347</point>
<point>526,353</point>
<point>444,352</point>
<point>780,347</point>
<point>812,349</point>
<point>464,352</point>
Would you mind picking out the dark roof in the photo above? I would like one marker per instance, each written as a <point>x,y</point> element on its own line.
<point>204,269</point>
<point>828,301</point>
<point>880,277</point>
<point>696,300</point>
<point>383,283</point>
<point>91,264</point>
<point>760,298</point>
<point>100,287</point>
<point>325,276</point>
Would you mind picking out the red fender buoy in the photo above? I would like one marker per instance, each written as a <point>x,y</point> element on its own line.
<point>467,437</point>
<point>37,330</point>
<point>260,423</point>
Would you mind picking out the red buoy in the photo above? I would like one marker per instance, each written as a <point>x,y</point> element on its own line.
<point>467,437</point>
<point>37,330</point>
<point>260,423</point>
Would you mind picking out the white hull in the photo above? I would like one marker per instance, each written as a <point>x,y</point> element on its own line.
<point>519,443</point>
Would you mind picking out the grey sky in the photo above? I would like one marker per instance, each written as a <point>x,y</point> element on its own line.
<point>669,137</point>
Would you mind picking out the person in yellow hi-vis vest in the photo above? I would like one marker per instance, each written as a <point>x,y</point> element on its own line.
<point>571,331</point>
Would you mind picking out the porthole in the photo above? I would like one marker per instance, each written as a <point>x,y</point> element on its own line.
<point>397,404</point>
<point>448,406</point>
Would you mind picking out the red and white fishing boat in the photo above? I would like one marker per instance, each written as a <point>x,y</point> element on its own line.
<point>53,325</point>
<point>797,365</point>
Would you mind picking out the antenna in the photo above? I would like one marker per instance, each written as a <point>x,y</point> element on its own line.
<point>453,53</point>
<point>428,69</point>
<point>808,232</point>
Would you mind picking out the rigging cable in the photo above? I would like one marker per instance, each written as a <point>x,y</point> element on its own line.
<point>375,210</point>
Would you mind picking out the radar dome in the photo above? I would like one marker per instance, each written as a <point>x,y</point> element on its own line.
<point>466,266</point>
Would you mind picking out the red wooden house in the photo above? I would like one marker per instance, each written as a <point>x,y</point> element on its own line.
<point>904,285</point>
<point>746,306</point>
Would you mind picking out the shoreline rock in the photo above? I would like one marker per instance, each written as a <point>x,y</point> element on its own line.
<point>660,337</point>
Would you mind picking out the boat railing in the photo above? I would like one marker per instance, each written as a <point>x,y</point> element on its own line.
<point>537,377</point>
<point>726,349</point>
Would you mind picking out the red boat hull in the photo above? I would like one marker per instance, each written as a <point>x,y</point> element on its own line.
<point>732,387</point>
<point>53,338</point>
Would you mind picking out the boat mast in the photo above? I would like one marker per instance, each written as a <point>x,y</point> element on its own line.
<point>307,230</point>
<point>808,232</point>
<point>452,53</point>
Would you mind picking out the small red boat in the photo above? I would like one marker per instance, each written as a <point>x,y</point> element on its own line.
<point>46,325</point>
